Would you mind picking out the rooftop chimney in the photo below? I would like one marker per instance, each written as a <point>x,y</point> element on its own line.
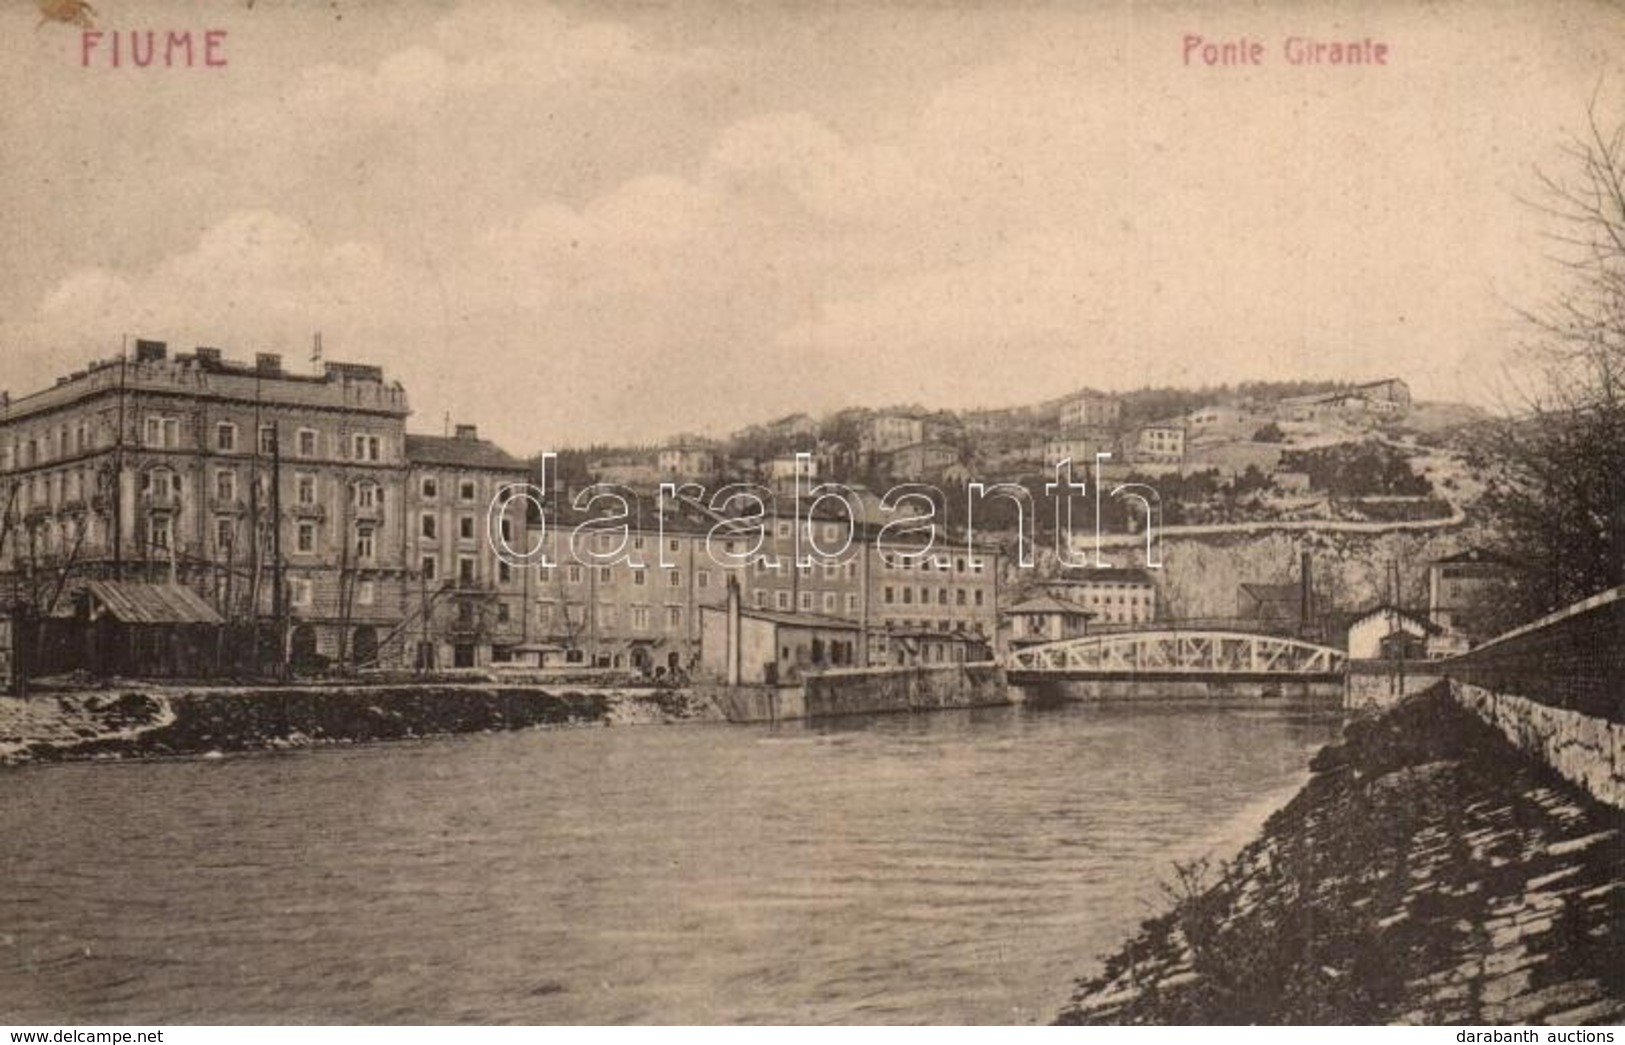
<point>149,351</point>
<point>268,362</point>
<point>468,432</point>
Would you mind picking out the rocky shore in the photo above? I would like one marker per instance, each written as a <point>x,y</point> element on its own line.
<point>144,721</point>
<point>1427,873</point>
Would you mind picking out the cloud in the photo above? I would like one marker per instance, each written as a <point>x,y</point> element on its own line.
<point>257,278</point>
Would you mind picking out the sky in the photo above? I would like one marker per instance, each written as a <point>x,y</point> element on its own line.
<point>615,222</point>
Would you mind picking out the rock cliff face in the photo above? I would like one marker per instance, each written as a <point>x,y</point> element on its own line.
<point>1428,873</point>
<point>1200,577</point>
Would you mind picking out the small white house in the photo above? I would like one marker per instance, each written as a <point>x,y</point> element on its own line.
<point>1389,633</point>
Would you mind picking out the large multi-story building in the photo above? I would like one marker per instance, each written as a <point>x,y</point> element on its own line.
<point>644,611</point>
<point>470,604</point>
<point>280,497</point>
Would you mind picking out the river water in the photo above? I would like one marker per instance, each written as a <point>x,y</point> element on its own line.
<point>939,868</point>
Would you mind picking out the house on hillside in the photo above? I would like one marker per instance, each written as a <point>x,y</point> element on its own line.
<point>1089,409</point>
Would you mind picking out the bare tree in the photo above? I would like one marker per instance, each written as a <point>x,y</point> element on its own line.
<point>1560,494</point>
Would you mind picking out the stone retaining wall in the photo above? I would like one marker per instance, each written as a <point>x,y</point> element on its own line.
<point>1584,749</point>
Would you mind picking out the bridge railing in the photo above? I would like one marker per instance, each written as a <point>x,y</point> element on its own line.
<point>1573,659</point>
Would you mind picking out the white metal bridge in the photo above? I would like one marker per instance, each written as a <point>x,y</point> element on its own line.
<point>1176,654</point>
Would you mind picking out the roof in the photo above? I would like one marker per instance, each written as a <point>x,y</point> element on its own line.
<point>923,634</point>
<point>1104,575</point>
<point>134,602</point>
<point>791,619</point>
<point>1290,592</point>
<point>923,445</point>
<point>1386,608</point>
<point>1475,554</point>
<point>461,453</point>
<point>1048,604</point>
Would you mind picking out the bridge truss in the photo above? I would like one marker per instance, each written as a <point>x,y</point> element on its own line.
<point>1207,653</point>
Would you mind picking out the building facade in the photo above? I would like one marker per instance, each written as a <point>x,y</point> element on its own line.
<point>281,498</point>
<point>470,604</point>
<point>1110,595</point>
<point>1090,410</point>
<point>643,610</point>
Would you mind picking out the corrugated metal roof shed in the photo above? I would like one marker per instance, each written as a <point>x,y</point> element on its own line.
<point>134,602</point>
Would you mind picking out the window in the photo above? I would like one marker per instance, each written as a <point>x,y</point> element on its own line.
<point>761,598</point>
<point>305,537</point>
<point>503,613</point>
<point>365,542</point>
<point>640,618</point>
<point>959,597</point>
<point>504,571</point>
<point>428,526</point>
<point>366,448</point>
<point>366,494</point>
<point>429,567</point>
<point>888,596</point>
<point>806,601</point>
<point>429,487</point>
<point>783,599</point>
<point>465,527</point>
<point>161,432</point>
<point>225,485</point>
<point>703,578</point>
<point>674,616</point>
<point>465,569</point>
<point>305,489</point>
<point>506,527</point>
<point>783,528</point>
<point>366,593</point>
<point>225,437</point>
<point>673,544</point>
<point>605,575</point>
<point>163,531</point>
<point>267,439</point>
<point>831,571</point>
<point>674,578</point>
<point>223,530</point>
<point>639,577</point>
<point>465,490</point>
<point>575,574</point>
<point>302,591</point>
<point>160,482</point>
<point>307,442</point>
<point>851,602</point>
<point>829,602</point>
<point>978,599</point>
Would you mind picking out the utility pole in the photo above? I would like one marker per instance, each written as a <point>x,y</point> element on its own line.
<point>278,597</point>
<point>117,492</point>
